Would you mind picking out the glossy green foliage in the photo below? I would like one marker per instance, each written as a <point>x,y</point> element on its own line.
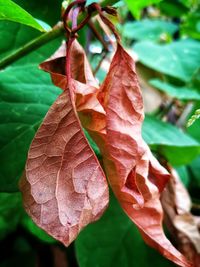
<point>178,147</point>
<point>179,92</point>
<point>11,11</point>
<point>178,59</point>
<point>25,99</point>
<point>149,29</point>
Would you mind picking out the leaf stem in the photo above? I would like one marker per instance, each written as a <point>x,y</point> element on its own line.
<point>57,31</point>
<point>68,51</point>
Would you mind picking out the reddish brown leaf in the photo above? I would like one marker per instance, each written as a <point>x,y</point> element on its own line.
<point>91,112</point>
<point>181,223</point>
<point>80,67</point>
<point>65,187</point>
<point>135,175</point>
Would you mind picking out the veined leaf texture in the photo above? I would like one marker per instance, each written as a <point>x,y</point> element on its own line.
<point>65,187</point>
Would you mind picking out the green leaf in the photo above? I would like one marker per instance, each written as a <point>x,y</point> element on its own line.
<point>44,25</point>
<point>191,25</point>
<point>45,10</point>
<point>26,95</point>
<point>194,117</point>
<point>182,93</point>
<point>15,41</point>
<point>169,141</point>
<point>188,3</point>
<point>11,11</point>
<point>136,6</point>
<point>194,129</point>
<point>173,8</point>
<point>148,29</point>
<point>35,230</point>
<point>115,241</point>
<point>10,212</point>
<point>15,35</point>
<point>178,59</point>
<point>25,98</point>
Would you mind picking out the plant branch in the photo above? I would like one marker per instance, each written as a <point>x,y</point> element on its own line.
<point>181,122</point>
<point>98,35</point>
<point>164,110</point>
<point>57,31</point>
<point>34,44</point>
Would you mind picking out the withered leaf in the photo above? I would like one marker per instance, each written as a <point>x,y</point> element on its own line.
<point>65,187</point>
<point>86,89</point>
<point>135,175</point>
<point>113,116</point>
<point>181,223</point>
<point>80,67</point>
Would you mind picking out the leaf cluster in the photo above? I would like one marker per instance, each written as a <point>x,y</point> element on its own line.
<point>165,36</point>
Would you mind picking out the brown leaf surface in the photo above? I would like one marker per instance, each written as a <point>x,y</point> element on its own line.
<point>80,67</point>
<point>181,223</point>
<point>86,89</point>
<point>114,119</point>
<point>91,112</point>
<point>135,175</point>
<point>65,187</point>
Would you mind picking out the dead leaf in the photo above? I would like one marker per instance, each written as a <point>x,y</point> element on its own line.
<point>80,67</point>
<point>181,223</point>
<point>114,119</point>
<point>135,175</point>
<point>65,187</point>
<point>90,111</point>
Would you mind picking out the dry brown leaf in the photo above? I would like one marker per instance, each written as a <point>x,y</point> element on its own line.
<point>182,224</point>
<point>134,174</point>
<point>65,187</point>
<point>114,119</point>
<point>80,67</point>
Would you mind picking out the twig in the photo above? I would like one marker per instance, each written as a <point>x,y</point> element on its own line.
<point>98,36</point>
<point>165,110</point>
<point>182,119</point>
